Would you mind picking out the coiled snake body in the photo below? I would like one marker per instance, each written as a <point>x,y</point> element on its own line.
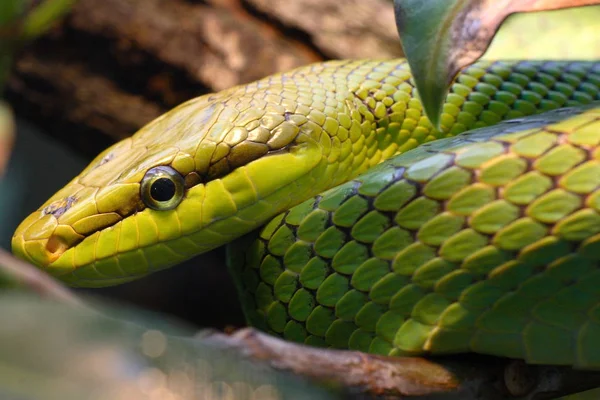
<point>488,241</point>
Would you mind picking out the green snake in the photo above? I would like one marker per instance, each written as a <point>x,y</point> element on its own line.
<point>361,226</point>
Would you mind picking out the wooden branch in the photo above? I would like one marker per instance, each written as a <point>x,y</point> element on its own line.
<point>464,377</point>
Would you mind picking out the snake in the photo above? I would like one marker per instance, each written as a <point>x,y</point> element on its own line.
<point>351,222</point>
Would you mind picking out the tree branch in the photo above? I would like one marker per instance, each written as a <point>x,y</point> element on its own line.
<point>464,377</point>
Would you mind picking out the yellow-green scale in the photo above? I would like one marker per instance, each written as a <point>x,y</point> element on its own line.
<point>362,112</point>
<point>489,242</point>
<point>354,114</point>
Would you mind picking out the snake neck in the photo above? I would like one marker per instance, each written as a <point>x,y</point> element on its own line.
<point>361,113</point>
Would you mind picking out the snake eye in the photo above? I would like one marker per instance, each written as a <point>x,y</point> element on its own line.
<point>162,188</point>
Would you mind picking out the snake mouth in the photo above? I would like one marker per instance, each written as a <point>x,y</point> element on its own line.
<point>42,238</point>
<point>41,252</point>
<point>56,246</point>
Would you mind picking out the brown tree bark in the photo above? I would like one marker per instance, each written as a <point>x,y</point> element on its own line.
<point>114,65</point>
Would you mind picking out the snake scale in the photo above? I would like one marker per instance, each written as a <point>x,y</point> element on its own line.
<point>362,227</point>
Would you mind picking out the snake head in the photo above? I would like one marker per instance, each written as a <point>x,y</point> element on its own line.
<point>189,181</point>
<point>85,220</point>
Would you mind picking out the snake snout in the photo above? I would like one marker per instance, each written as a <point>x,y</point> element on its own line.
<point>39,247</point>
<point>43,237</point>
<point>41,252</point>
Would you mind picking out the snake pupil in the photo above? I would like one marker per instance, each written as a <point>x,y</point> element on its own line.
<point>162,189</point>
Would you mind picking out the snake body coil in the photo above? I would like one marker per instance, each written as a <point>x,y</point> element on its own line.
<point>487,242</point>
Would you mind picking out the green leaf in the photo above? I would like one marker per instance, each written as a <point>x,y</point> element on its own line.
<point>569,34</point>
<point>440,37</point>
<point>41,18</point>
